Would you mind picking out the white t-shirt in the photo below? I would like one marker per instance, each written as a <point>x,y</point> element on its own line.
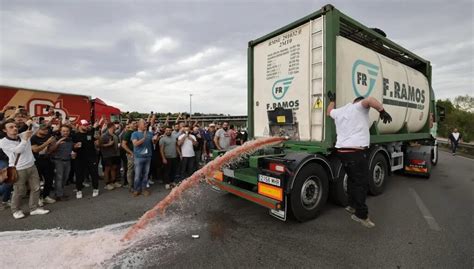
<point>352,125</point>
<point>12,147</point>
<point>455,135</point>
<point>187,149</point>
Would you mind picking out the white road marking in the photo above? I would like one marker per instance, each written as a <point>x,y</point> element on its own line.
<point>425,212</point>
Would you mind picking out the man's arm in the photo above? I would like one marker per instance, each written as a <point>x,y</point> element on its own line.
<point>177,119</point>
<point>55,146</point>
<point>332,102</point>
<point>39,148</point>
<point>178,150</point>
<point>181,140</point>
<point>216,142</point>
<point>138,142</point>
<point>194,140</point>
<point>162,152</point>
<point>373,103</point>
<point>108,144</point>
<point>126,148</point>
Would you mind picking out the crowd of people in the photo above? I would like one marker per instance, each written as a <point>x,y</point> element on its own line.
<point>41,155</point>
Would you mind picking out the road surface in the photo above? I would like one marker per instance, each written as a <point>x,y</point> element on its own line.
<point>420,223</point>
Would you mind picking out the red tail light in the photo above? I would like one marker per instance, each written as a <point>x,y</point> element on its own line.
<point>418,162</point>
<point>277,167</point>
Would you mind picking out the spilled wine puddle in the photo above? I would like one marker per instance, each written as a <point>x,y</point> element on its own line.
<point>119,245</point>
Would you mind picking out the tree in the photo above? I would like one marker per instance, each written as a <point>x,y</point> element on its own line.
<point>465,103</point>
<point>456,117</point>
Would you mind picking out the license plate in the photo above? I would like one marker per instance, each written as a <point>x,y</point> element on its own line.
<point>228,172</point>
<point>269,180</point>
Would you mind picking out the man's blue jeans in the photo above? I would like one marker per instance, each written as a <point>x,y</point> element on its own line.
<point>6,191</point>
<point>142,168</point>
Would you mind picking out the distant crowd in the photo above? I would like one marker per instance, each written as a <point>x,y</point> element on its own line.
<point>42,155</point>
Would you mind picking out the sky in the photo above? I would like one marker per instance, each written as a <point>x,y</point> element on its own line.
<point>151,55</point>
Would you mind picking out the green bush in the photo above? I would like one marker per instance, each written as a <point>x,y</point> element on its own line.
<point>456,117</point>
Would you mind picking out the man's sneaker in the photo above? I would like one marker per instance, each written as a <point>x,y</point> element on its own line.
<point>167,186</point>
<point>365,222</point>
<point>39,211</point>
<point>49,200</point>
<point>151,182</point>
<point>86,185</point>
<point>350,209</point>
<point>95,193</point>
<point>79,195</point>
<point>146,193</point>
<point>135,194</point>
<point>40,202</point>
<point>109,187</point>
<point>117,185</point>
<point>18,214</point>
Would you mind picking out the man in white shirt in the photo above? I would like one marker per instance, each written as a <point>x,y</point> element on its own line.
<point>186,143</point>
<point>454,138</point>
<point>353,139</point>
<point>15,145</point>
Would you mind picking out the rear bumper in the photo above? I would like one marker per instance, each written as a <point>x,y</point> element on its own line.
<point>248,195</point>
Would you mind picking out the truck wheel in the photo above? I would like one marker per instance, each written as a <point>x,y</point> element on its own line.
<point>378,173</point>
<point>434,155</point>
<point>309,193</point>
<point>338,190</point>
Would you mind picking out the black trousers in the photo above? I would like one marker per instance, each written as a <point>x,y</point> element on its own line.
<point>83,167</point>
<point>356,165</point>
<point>187,168</point>
<point>123,163</point>
<point>46,171</point>
<point>170,170</point>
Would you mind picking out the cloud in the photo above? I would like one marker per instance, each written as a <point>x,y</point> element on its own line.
<point>164,44</point>
<point>150,55</point>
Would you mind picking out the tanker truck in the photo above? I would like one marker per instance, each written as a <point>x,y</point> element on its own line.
<point>290,72</point>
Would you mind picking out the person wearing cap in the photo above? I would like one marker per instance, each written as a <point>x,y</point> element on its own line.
<point>16,145</point>
<point>86,157</point>
<point>352,142</point>
<point>5,187</point>
<point>40,143</point>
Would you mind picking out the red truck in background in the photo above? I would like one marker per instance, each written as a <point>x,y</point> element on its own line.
<point>39,103</point>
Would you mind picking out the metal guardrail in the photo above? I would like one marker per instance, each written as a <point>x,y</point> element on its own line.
<point>445,141</point>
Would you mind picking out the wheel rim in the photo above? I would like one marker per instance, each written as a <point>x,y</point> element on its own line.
<point>378,174</point>
<point>310,192</point>
<point>344,183</point>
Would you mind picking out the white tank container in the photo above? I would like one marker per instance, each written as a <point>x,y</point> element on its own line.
<point>403,90</point>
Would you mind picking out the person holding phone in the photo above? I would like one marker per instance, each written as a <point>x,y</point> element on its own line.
<point>61,152</point>
<point>17,147</point>
<point>186,143</point>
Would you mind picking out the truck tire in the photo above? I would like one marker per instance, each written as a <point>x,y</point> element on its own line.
<point>434,155</point>
<point>338,190</point>
<point>309,193</point>
<point>378,173</point>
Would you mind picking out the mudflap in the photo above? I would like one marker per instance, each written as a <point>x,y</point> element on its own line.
<point>418,160</point>
<point>280,214</point>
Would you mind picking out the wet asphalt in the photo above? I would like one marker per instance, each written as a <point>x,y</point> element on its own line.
<point>420,223</point>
